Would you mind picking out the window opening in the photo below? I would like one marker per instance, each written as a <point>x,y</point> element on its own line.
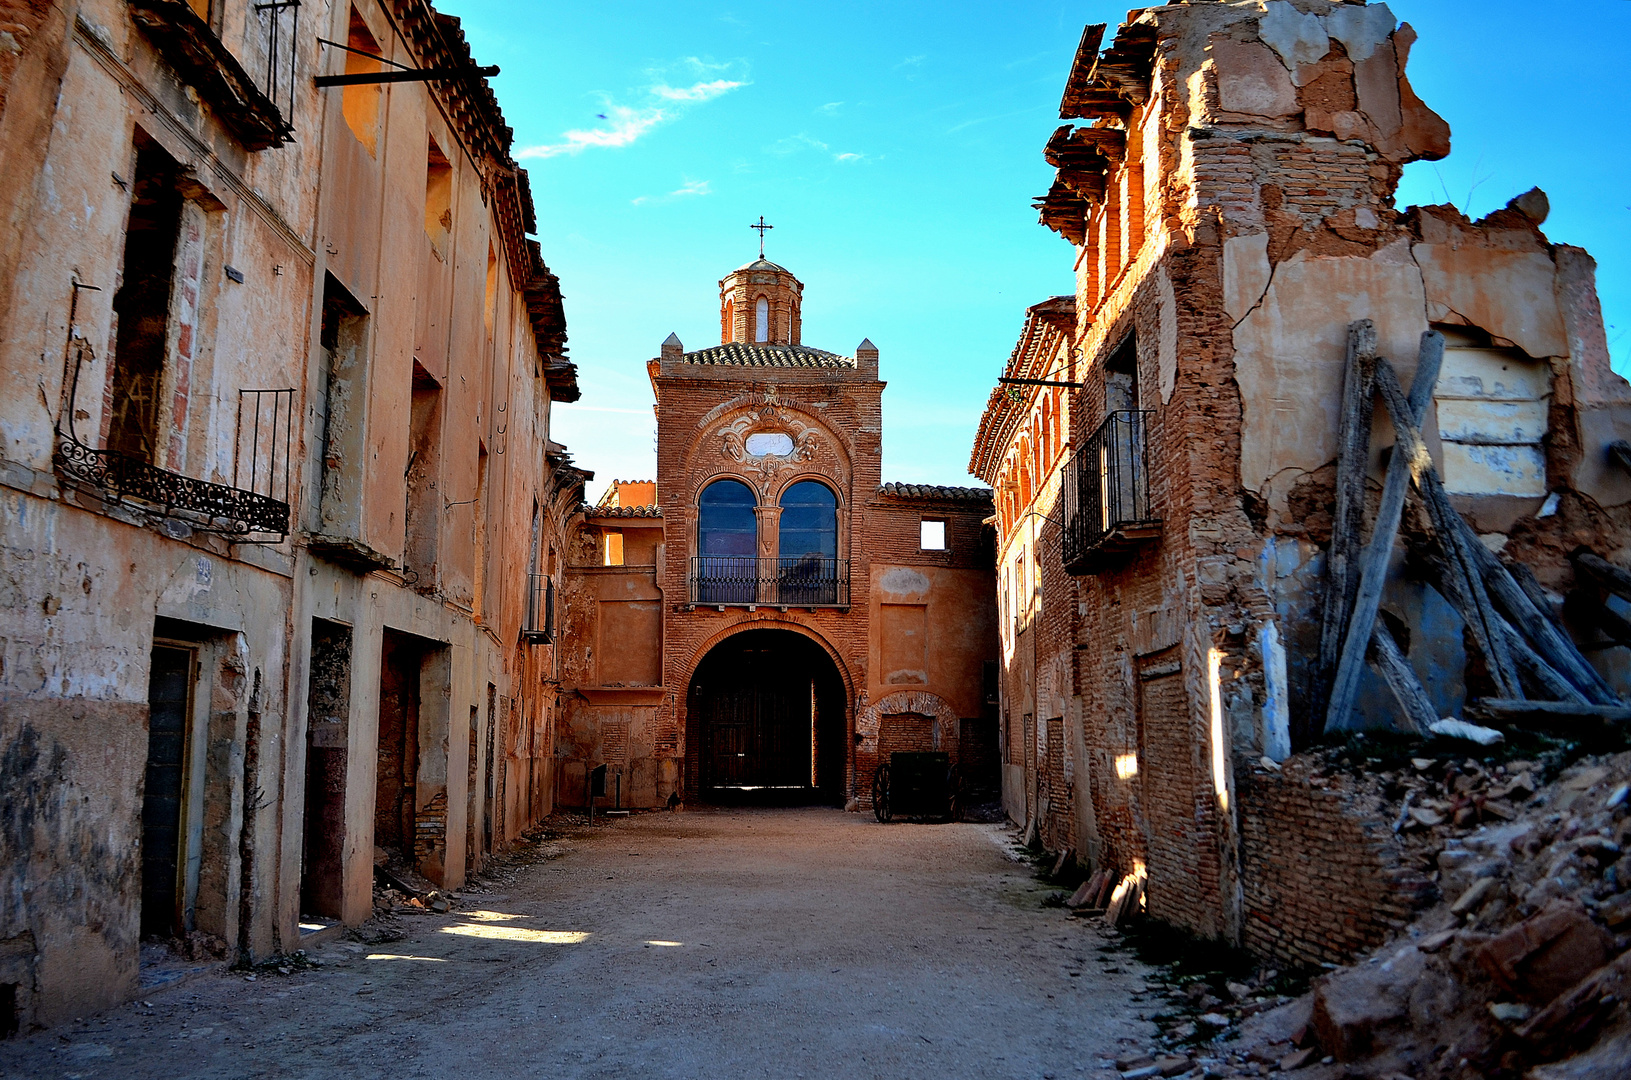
<point>438,197</point>
<point>1121,376</point>
<point>761,320</point>
<point>361,104</point>
<point>142,303</point>
<point>932,535</point>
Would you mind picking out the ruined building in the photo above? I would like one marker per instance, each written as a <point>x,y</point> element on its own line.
<point>1171,607</point>
<point>768,620</point>
<point>281,517</point>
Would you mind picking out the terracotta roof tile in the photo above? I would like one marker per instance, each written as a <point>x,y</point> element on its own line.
<point>743,354</point>
<point>934,491</point>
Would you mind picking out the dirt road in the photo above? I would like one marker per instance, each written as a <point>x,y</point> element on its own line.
<point>765,943</point>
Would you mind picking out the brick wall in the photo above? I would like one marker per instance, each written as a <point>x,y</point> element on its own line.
<point>1323,872</point>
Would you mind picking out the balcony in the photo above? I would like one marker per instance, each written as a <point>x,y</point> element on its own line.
<point>257,111</point>
<point>539,626</point>
<point>744,580</point>
<point>250,509</point>
<point>206,507</point>
<point>1107,495</point>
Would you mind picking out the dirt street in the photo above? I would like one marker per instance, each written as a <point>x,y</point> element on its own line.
<point>707,943</point>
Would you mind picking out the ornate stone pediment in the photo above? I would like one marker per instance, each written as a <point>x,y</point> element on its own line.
<point>808,442</point>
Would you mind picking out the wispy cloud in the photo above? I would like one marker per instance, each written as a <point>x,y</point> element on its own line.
<point>689,188</point>
<point>830,109</point>
<point>848,157</point>
<point>794,144</point>
<point>663,102</point>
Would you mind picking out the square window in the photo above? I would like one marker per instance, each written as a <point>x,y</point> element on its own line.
<point>932,535</point>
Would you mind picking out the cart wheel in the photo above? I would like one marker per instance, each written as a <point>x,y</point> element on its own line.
<point>954,794</point>
<point>880,794</point>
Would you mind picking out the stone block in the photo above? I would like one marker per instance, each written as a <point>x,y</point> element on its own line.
<point>1547,953</point>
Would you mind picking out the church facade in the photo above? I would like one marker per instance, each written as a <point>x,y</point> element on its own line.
<point>767,619</point>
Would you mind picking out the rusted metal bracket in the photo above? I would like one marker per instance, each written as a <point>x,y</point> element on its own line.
<point>1041,382</point>
<point>364,78</point>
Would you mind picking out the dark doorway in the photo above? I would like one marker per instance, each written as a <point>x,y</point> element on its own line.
<point>169,700</point>
<point>767,721</point>
<point>328,712</point>
<point>399,677</point>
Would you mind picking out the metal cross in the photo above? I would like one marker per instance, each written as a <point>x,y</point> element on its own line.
<point>761,227</point>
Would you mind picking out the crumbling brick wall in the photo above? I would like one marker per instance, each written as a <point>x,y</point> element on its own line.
<point>1325,877</point>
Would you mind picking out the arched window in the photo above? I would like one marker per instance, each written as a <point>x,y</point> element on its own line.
<point>761,320</point>
<point>727,329</point>
<point>727,566</point>
<point>1047,433</point>
<point>809,544</point>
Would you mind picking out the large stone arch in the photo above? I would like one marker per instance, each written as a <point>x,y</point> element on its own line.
<point>708,644</point>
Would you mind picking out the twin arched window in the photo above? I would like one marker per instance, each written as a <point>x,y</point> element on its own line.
<point>728,526</point>
<point>728,569</point>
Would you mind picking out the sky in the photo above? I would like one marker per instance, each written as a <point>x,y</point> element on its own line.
<point>896,147</point>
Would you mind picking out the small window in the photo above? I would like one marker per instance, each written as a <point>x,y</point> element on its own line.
<point>932,535</point>
<point>761,320</point>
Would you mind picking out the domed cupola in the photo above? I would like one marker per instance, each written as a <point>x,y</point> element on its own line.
<point>759,304</point>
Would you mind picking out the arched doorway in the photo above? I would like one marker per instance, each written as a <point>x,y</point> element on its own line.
<point>766,721</point>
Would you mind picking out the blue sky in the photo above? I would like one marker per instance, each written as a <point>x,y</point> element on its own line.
<point>896,147</point>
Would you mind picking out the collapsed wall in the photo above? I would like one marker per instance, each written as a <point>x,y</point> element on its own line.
<point>1229,188</point>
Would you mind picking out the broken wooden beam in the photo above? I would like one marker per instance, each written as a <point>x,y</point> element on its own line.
<point>1550,640</point>
<point>1347,517</point>
<point>1512,708</point>
<point>1599,569</point>
<point>1452,533</point>
<point>1374,562</point>
<point>1417,712</point>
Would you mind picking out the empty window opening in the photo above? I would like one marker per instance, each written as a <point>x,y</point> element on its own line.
<point>1121,377</point>
<point>423,510</point>
<point>931,535</point>
<point>361,104</point>
<point>490,309</point>
<point>478,591</point>
<point>142,303</point>
<point>170,703</point>
<point>438,197</point>
<point>9,1020</point>
<point>343,341</point>
<point>761,320</point>
<point>727,323</point>
<point>328,721</point>
<point>614,548</point>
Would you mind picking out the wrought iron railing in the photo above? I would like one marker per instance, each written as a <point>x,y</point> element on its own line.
<point>1106,492</point>
<point>792,581</point>
<point>242,513</point>
<point>539,625</point>
<point>202,504</point>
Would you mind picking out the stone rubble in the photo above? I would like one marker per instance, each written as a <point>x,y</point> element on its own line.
<point>1521,968</point>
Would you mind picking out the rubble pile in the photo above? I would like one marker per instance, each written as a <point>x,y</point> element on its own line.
<point>1520,969</point>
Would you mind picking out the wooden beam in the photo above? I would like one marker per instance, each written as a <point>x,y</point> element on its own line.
<point>1416,711</point>
<point>1550,640</point>
<point>1374,562</point>
<point>1353,461</point>
<point>1510,708</point>
<point>1614,579</point>
<point>1452,534</point>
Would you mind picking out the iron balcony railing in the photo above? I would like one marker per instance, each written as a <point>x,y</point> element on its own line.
<point>1106,496</point>
<point>539,626</point>
<point>209,507</point>
<point>791,581</point>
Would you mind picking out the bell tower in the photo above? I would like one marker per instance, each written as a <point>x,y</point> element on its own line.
<point>759,304</point>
